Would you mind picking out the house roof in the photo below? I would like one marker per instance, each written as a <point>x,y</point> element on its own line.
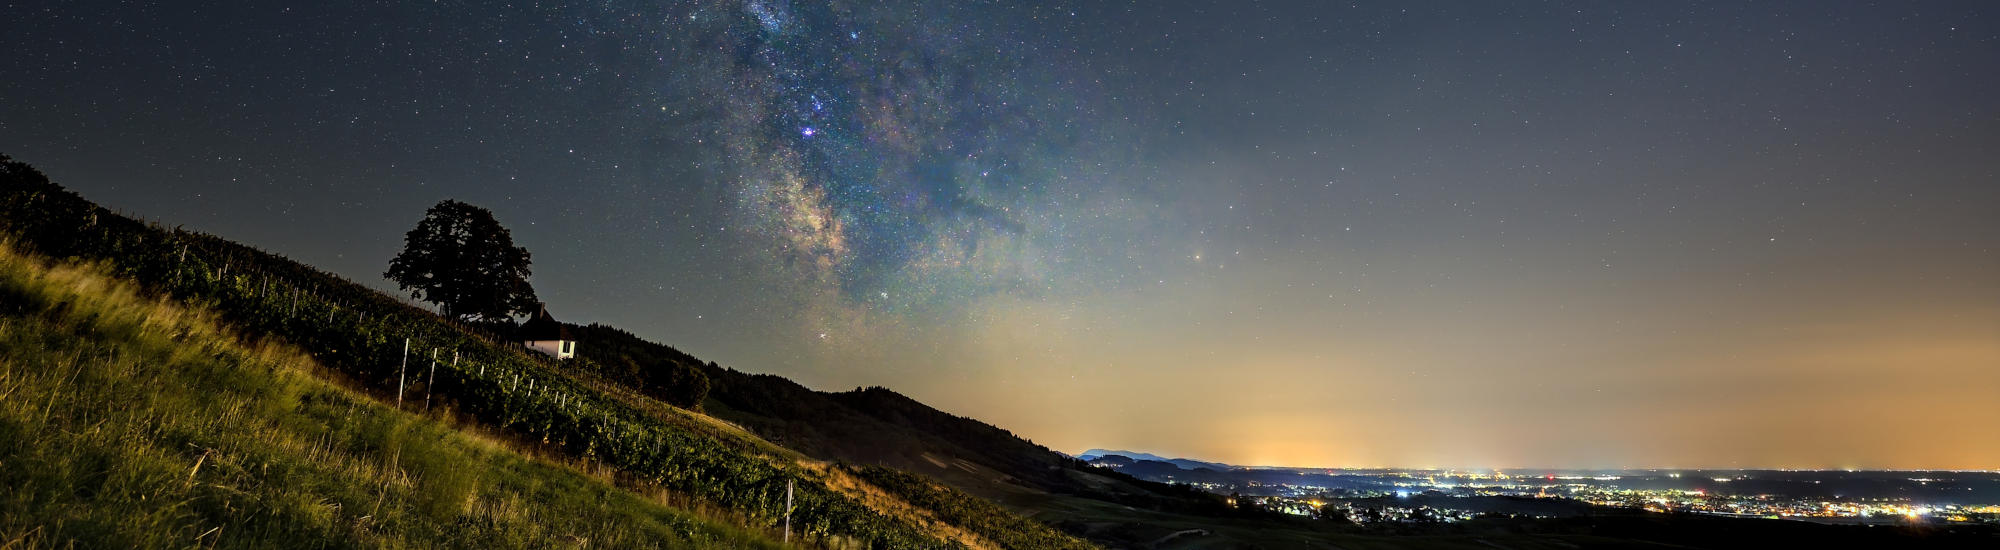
<point>542,327</point>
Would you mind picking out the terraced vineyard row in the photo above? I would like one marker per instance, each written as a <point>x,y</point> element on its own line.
<point>390,346</point>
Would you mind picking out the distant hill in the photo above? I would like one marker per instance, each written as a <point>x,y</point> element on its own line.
<point>1096,456</point>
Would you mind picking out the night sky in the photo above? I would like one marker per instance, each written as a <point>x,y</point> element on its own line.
<point>1485,234</point>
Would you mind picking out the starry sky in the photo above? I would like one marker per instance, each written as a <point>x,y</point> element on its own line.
<point>1474,234</point>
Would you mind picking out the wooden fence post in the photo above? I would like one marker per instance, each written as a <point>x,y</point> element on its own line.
<point>399,373</point>
<point>430,379</point>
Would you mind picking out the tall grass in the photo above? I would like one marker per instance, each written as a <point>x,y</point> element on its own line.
<point>370,338</point>
<point>129,422</point>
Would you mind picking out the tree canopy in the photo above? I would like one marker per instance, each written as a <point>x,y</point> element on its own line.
<point>461,259</point>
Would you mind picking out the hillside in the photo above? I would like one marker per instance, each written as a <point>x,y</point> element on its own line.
<point>867,425</point>
<point>877,426</point>
<point>413,360</point>
<point>251,448</point>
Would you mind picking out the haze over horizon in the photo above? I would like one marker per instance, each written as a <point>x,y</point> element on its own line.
<point>1509,469</point>
<point>1462,234</point>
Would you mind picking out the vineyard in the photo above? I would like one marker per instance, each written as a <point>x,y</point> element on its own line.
<point>127,421</point>
<point>426,362</point>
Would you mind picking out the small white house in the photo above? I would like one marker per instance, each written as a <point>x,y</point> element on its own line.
<point>542,333</point>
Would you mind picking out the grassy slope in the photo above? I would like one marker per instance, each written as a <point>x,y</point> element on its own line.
<point>127,422</point>
<point>355,333</point>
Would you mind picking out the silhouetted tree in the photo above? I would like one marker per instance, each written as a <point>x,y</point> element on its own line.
<point>655,370</point>
<point>686,386</point>
<point>461,259</point>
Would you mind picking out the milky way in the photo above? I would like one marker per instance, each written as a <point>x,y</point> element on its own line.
<point>909,158</point>
<point>1360,233</point>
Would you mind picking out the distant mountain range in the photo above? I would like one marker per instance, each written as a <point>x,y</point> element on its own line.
<point>1104,457</point>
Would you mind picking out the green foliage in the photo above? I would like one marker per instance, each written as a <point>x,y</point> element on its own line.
<point>658,371</point>
<point>131,423</point>
<point>460,258</point>
<point>363,334</point>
